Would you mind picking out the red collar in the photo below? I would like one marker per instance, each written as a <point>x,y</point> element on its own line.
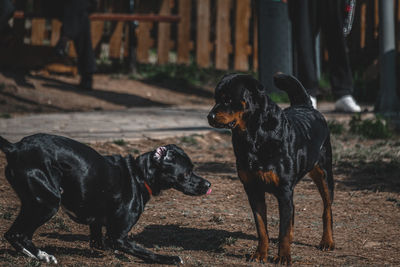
<point>148,188</point>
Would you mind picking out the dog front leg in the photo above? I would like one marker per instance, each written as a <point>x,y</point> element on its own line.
<point>134,249</point>
<point>257,202</point>
<point>96,236</point>
<point>285,201</point>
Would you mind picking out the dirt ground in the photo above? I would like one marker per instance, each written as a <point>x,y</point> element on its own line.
<point>218,229</point>
<point>39,92</point>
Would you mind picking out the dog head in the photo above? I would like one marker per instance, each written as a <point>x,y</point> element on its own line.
<point>236,97</point>
<point>170,167</point>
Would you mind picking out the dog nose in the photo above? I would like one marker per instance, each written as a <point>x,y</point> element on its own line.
<point>211,117</point>
<point>207,184</point>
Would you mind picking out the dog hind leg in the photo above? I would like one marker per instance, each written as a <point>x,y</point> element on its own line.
<point>32,215</point>
<point>323,177</point>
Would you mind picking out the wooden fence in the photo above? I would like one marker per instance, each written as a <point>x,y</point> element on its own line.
<point>212,33</point>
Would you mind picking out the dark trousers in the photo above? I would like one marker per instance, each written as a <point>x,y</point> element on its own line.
<point>308,18</point>
<point>74,15</point>
<point>6,12</point>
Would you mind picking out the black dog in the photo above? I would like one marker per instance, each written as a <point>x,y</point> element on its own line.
<point>274,149</point>
<point>47,171</point>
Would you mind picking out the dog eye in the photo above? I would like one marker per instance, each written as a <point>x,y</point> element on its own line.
<point>228,101</point>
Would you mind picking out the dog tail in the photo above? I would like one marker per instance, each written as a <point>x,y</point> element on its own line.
<point>6,146</point>
<point>295,90</point>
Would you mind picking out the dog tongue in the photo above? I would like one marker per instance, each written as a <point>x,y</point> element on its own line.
<point>209,191</point>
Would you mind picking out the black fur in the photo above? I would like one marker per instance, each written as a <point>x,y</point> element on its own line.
<point>285,144</point>
<point>47,171</point>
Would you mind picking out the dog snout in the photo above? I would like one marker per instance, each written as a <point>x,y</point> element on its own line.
<point>211,117</point>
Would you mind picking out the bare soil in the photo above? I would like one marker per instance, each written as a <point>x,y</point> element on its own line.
<point>218,229</point>
<point>40,92</point>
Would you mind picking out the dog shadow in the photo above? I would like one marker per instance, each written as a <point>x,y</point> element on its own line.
<point>187,238</point>
<point>170,236</point>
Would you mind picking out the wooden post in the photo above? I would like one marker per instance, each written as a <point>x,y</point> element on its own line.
<point>55,31</point>
<point>223,35</point>
<point>255,40</point>
<point>38,31</point>
<point>145,42</point>
<point>363,25</point>
<point>242,23</point>
<point>376,18</point>
<point>96,29</point>
<point>164,32</point>
<point>116,41</point>
<point>203,33</point>
<point>185,8</point>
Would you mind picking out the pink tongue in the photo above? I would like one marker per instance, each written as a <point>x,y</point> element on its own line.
<point>209,191</point>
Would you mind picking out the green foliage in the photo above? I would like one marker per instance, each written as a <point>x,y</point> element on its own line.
<point>279,97</point>
<point>376,128</point>
<point>5,115</point>
<point>335,127</point>
<point>7,215</point>
<point>324,81</point>
<point>60,224</point>
<point>183,75</point>
<point>230,241</point>
<point>396,201</point>
<point>33,263</point>
<point>191,139</point>
<point>120,142</point>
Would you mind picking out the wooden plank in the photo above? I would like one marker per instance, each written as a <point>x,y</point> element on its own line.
<point>185,8</point>
<point>255,41</point>
<point>72,50</point>
<point>376,18</point>
<point>55,31</point>
<point>203,33</point>
<point>164,32</point>
<point>38,31</point>
<point>242,23</point>
<point>363,25</point>
<point>96,29</point>
<point>223,35</point>
<point>112,17</point>
<point>126,41</point>
<point>145,42</point>
<point>116,41</point>
<point>398,25</point>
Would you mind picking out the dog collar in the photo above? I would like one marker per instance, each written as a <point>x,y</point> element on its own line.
<point>148,188</point>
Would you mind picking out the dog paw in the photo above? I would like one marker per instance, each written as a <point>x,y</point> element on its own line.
<point>282,260</point>
<point>97,244</point>
<point>326,245</point>
<point>43,256</point>
<point>175,260</point>
<point>259,256</point>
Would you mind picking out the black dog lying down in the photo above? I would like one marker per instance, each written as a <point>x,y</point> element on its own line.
<point>47,171</point>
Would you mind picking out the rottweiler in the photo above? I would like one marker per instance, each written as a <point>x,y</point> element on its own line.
<point>274,149</point>
<point>47,171</point>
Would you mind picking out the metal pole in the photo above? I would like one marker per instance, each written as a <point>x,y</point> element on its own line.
<point>388,102</point>
<point>132,41</point>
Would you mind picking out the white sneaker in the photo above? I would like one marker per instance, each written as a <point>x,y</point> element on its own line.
<point>313,101</point>
<point>347,104</point>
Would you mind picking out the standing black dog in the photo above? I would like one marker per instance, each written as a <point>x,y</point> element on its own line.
<point>274,149</point>
<point>47,171</point>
